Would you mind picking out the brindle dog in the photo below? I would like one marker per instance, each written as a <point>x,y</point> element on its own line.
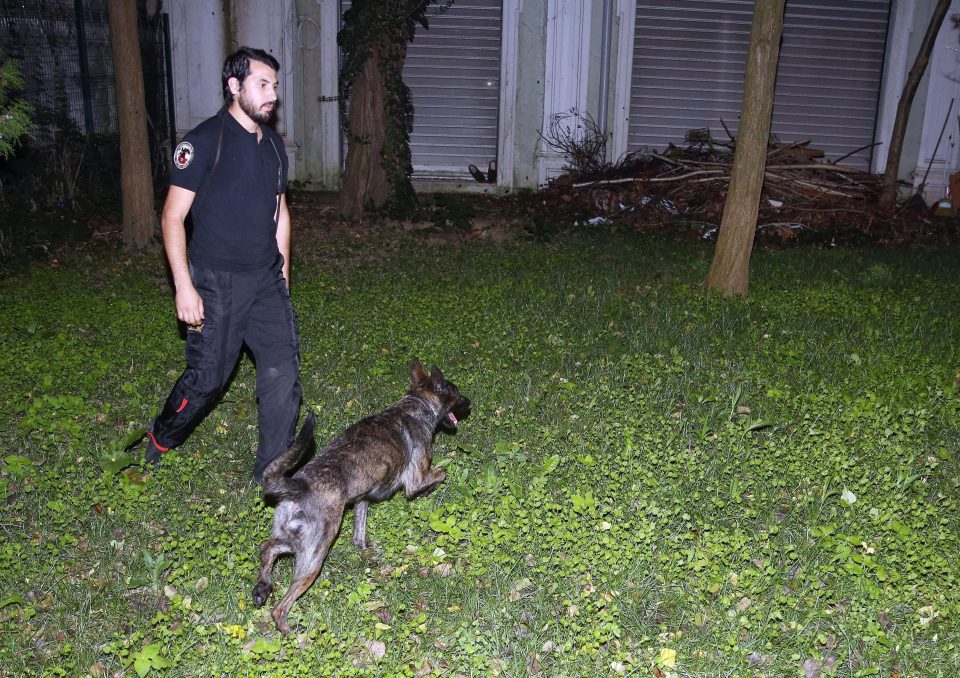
<point>369,461</point>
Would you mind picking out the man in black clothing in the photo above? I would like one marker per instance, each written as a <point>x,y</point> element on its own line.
<point>230,175</point>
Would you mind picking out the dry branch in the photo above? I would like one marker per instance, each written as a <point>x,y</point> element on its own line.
<point>685,188</point>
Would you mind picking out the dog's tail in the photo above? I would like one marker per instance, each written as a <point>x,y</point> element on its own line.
<point>276,485</point>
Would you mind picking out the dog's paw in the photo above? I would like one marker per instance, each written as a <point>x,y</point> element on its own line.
<point>280,620</point>
<point>261,592</point>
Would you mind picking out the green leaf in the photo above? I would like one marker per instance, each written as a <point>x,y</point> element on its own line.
<point>17,466</point>
<point>439,525</point>
<point>735,400</point>
<point>142,666</point>
<point>264,648</point>
<point>149,658</point>
<point>11,600</point>
<point>114,462</point>
<point>584,503</point>
<point>901,530</point>
<point>550,464</point>
<point>132,438</point>
<point>757,425</point>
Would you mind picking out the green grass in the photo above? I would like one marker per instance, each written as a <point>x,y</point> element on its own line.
<point>652,476</point>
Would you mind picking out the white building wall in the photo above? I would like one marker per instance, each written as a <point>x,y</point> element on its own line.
<point>566,76</point>
<point>938,155</point>
<point>547,69</point>
<point>197,38</point>
<point>203,33</point>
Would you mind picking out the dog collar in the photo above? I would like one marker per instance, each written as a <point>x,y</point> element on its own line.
<point>426,402</point>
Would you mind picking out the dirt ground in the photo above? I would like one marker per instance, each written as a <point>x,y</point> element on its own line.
<point>691,212</point>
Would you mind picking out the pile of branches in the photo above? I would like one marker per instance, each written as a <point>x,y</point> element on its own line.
<point>804,199</point>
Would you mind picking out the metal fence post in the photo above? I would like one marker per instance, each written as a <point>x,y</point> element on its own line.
<point>84,69</point>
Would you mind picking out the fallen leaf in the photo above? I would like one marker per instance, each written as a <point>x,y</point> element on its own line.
<point>374,652</point>
<point>520,588</point>
<point>812,668</point>
<point>667,658</point>
<point>927,614</point>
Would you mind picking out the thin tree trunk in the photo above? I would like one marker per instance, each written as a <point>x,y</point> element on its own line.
<point>730,270</point>
<point>139,213</point>
<point>364,180</point>
<point>888,189</point>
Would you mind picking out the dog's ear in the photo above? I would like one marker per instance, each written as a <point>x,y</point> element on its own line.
<point>436,376</point>
<point>417,372</point>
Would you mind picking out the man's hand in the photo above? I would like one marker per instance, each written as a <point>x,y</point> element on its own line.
<point>189,306</point>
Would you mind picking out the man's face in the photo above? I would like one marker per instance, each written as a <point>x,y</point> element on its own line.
<point>258,92</point>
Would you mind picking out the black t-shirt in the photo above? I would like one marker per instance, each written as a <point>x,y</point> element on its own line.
<point>234,227</point>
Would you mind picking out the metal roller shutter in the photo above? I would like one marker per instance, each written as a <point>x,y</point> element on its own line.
<point>453,72</point>
<point>689,58</point>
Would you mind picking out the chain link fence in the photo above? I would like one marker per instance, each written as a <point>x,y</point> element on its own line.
<point>63,49</point>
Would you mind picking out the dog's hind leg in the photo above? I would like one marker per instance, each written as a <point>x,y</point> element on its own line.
<point>308,564</point>
<point>360,524</point>
<point>269,550</point>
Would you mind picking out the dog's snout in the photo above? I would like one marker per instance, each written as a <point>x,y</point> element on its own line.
<point>461,408</point>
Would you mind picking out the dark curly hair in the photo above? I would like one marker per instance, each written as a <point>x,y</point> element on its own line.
<point>237,65</point>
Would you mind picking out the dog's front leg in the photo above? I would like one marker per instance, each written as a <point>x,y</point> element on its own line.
<point>424,482</point>
<point>269,550</point>
<point>360,524</point>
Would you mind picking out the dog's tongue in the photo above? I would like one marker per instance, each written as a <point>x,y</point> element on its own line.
<point>452,417</point>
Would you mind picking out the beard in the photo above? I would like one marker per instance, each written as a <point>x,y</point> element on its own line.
<point>258,114</point>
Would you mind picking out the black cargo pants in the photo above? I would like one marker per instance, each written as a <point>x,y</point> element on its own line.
<point>251,309</point>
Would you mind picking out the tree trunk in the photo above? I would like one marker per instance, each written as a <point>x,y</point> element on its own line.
<point>373,42</point>
<point>139,213</point>
<point>888,189</point>
<point>730,270</point>
<point>364,179</point>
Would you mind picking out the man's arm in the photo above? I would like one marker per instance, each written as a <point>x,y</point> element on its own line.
<point>283,235</point>
<point>175,210</point>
